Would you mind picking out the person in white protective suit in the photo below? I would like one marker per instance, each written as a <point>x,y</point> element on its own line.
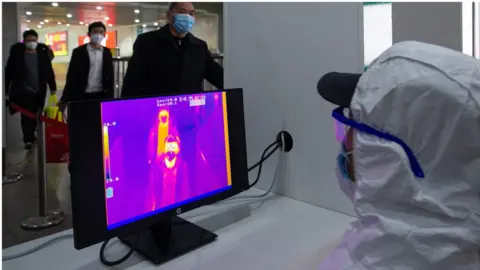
<point>410,160</point>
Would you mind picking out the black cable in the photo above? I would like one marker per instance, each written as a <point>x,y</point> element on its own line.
<point>264,157</point>
<point>119,261</point>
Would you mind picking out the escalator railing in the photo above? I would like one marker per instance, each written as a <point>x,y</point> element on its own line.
<point>120,65</point>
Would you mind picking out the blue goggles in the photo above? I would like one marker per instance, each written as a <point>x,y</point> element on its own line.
<point>338,115</point>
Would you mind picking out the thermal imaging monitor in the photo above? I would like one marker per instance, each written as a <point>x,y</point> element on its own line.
<point>138,163</point>
<point>168,151</point>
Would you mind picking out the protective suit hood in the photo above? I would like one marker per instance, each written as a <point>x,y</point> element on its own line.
<point>429,97</point>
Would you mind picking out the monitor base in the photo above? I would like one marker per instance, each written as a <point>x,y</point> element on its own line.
<point>168,240</point>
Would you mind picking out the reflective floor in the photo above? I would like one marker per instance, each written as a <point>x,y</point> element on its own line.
<point>20,200</point>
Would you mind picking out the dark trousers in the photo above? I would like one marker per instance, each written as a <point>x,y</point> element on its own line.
<point>29,126</point>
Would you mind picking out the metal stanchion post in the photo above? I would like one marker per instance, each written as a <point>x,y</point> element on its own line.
<point>45,219</point>
<point>117,79</point>
<point>8,178</point>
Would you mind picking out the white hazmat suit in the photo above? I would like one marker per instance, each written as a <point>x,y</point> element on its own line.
<point>429,97</point>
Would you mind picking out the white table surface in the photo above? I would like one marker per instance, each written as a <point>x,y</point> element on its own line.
<point>280,233</point>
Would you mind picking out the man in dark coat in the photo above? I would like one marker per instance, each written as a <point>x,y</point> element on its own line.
<point>27,73</point>
<point>90,72</point>
<point>171,60</point>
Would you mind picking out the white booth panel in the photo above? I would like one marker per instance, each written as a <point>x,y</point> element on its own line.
<point>277,52</point>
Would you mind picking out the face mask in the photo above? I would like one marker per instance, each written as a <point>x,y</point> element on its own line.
<point>183,23</point>
<point>342,163</point>
<point>171,155</point>
<point>344,179</point>
<point>31,45</point>
<point>97,38</point>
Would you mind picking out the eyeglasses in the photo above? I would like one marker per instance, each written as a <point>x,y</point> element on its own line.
<point>338,114</point>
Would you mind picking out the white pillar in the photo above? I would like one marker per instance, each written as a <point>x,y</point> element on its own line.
<point>438,23</point>
<point>10,35</point>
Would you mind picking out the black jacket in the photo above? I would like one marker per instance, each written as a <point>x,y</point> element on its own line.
<point>159,66</point>
<point>15,71</point>
<point>77,74</point>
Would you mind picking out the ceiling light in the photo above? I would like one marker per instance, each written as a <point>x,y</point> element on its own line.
<point>28,20</point>
<point>39,26</point>
<point>59,23</point>
<point>46,20</point>
<point>144,25</point>
<point>55,4</point>
<point>41,22</point>
<point>81,22</point>
<point>155,24</point>
<point>110,25</point>
<point>28,13</point>
<point>106,18</point>
<point>137,11</point>
<point>67,24</point>
<point>69,15</point>
<point>137,20</point>
<point>99,8</point>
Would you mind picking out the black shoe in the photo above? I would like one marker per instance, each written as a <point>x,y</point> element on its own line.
<point>28,146</point>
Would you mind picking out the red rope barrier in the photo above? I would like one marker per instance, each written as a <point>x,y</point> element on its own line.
<point>32,115</point>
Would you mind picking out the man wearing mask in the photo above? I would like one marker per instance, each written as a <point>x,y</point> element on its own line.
<point>171,60</point>
<point>410,160</point>
<point>27,73</point>
<point>90,73</point>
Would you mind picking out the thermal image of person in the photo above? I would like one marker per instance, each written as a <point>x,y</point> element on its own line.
<point>173,174</point>
<point>162,130</point>
<point>156,149</point>
<point>410,160</point>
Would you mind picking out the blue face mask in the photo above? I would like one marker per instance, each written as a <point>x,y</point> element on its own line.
<point>183,23</point>
<point>342,163</point>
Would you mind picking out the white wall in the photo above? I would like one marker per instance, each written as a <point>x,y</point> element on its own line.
<point>477,30</point>
<point>437,23</point>
<point>126,36</point>
<point>277,55</point>
<point>377,30</point>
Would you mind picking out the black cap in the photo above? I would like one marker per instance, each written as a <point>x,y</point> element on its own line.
<point>338,88</point>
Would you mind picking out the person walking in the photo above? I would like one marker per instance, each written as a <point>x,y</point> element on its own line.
<point>27,73</point>
<point>90,72</point>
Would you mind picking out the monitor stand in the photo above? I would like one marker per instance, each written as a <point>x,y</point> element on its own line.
<point>167,240</point>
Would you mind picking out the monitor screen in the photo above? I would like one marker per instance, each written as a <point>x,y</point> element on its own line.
<point>161,153</point>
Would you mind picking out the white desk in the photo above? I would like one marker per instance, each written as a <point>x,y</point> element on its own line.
<point>279,234</point>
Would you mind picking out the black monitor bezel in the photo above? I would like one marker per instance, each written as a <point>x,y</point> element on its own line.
<point>87,175</point>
